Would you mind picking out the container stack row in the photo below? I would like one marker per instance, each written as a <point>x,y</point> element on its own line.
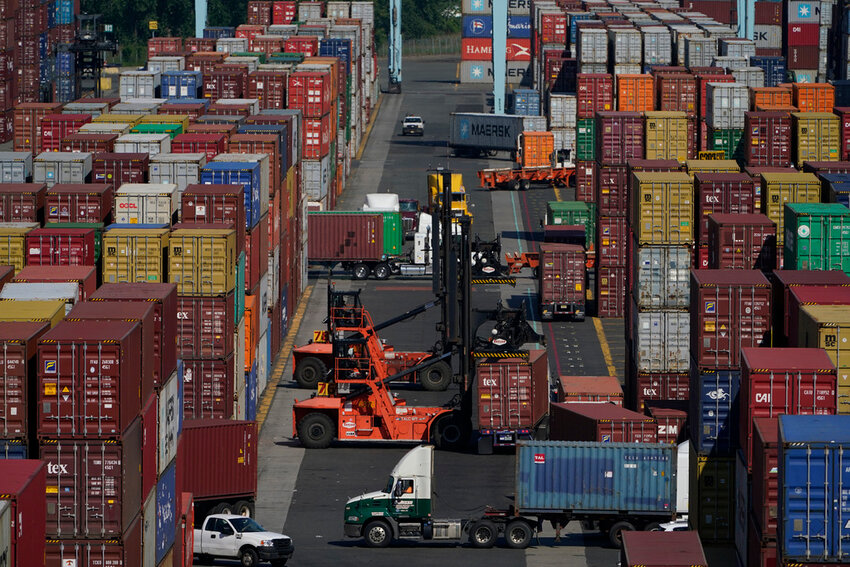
<point>477,43</point>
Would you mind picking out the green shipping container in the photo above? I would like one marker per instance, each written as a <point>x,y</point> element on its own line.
<point>730,142</point>
<point>282,57</point>
<point>98,232</point>
<point>817,237</point>
<point>158,128</point>
<point>586,139</point>
<point>261,57</point>
<point>572,213</point>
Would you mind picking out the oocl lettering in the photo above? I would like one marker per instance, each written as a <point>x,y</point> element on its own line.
<point>127,206</point>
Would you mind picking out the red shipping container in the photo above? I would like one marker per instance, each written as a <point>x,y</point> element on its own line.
<point>553,28</point>
<point>823,167</point>
<point>208,388</point>
<point>741,242</point>
<point>269,87</point>
<point>657,386</point>
<point>802,56</point>
<point>732,193</point>
<point>196,44</point>
<point>730,310</point>
<point>316,138</point>
<point>594,93</point>
<point>224,83</point>
<point>84,276</point>
<point>671,418</point>
<point>602,423</point>
<point>562,278</point>
<point>185,537</point>
<point>19,341</point>
<point>762,553</point>
<point>776,381</point>
<point>677,92</point>
<point>802,34</point>
<point>586,181</point>
<point>612,189</point>
<point>22,202</point>
<point>92,143</point>
<point>702,84</point>
<point>476,49</point>
<point>613,236</point>
<point>610,291</point>
<point>249,31</point>
<point>590,389</point>
<point>54,127</point>
<point>657,549</point>
<point>306,44</point>
<point>205,62</point>
<point>259,13</point>
<point>164,46</point>
<point>764,466</point>
<point>768,13</point>
<point>218,459</point>
<point>89,379</point>
<point>23,484</point>
<point>701,257</point>
<point>619,138</point>
<point>256,253</point>
<point>513,394</point>
<point>79,202</point>
<point>209,144</point>
<point>119,169</point>
<point>213,204</point>
<point>267,44</point>
<point>114,552</point>
<point>193,111</point>
<point>767,138</point>
<point>28,124</point>
<point>163,296</point>
<point>205,326</point>
<point>260,144</point>
<point>60,247</point>
<point>844,129</point>
<point>310,92</point>
<point>216,109</point>
<point>6,274</point>
<point>784,280</point>
<point>283,12</point>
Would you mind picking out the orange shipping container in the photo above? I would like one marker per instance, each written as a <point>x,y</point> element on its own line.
<point>536,149</point>
<point>635,93</point>
<point>252,328</point>
<point>776,108</point>
<point>775,96</point>
<point>814,97</point>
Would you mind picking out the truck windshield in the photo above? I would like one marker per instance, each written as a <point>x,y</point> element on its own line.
<point>407,206</point>
<point>413,119</point>
<point>246,525</point>
<point>389,488</point>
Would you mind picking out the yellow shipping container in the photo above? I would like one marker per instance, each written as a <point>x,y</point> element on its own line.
<point>109,117</point>
<point>13,243</point>
<point>695,166</point>
<point>662,208</point>
<point>817,135</point>
<point>182,119</point>
<point>135,255</point>
<point>828,327</point>
<point>781,188</point>
<point>666,135</point>
<point>119,128</point>
<point>290,191</point>
<point>48,311</point>
<point>202,261</point>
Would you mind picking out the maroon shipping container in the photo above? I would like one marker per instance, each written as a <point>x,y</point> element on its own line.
<point>22,202</point>
<point>586,181</point>
<point>677,92</point>
<point>208,128</point>
<point>23,485</point>
<point>671,418</point>
<point>619,137</point>
<point>205,326</point>
<point>218,459</point>
<point>662,549</point>
<point>341,236</point>
<point>79,202</point>
<point>216,109</point>
<point>164,46</point>
<point>762,553</point>
<point>150,441</point>
<point>811,295</point>
<point>844,131</point>
<point>775,381</point>
<point>94,485</point>
<point>512,396</point>
<point>730,309</point>
<point>768,13</point>
<point>54,127</point>
<point>602,423</point>
<point>163,296</point>
<point>19,341</point>
<point>657,386</point>
<point>764,466</point>
<point>269,87</point>
<point>784,280</point>
<point>195,44</point>
<point>261,144</point>
<point>612,190</point>
<point>702,84</point>
<point>214,204</point>
<point>611,291</point>
<point>118,169</point>
<point>767,138</point>
<point>84,276</point>
<point>259,13</point>
<point>192,110</point>
<point>209,144</point>
<point>89,379</point>
<point>741,242</point>
<point>826,167</point>
<point>659,165</point>
<point>225,82</point>
<point>89,142</point>
<point>613,233</point>
<point>28,117</point>
<point>256,252</point>
<point>594,93</point>
<point>802,56</point>
<point>205,62</point>
<point>125,551</point>
<point>732,193</point>
<point>562,280</point>
<point>208,388</point>
<point>595,389</point>
<point>142,313</point>
<point>60,247</point>
<point>552,28</point>
<point>6,274</point>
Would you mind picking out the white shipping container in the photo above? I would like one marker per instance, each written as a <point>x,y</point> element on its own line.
<point>565,139</point>
<point>627,69</point>
<point>699,51</point>
<point>93,108</point>
<point>737,47</point>
<point>753,77</point>
<point>15,167</point>
<point>592,67</point>
<point>138,84</point>
<point>69,292</point>
<point>231,44</point>
<point>309,10</point>
<point>681,33</point>
<point>364,11</point>
<point>253,103</point>
<point>180,169</point>
<point>151,144</point>
<point>282,30</point>
<point>169,418</point>
<point>592,45</point>
<point>534,124</point>
<point>657,46</point>
<point>273,274</point>
<point>163,63</point>
<point>148,530</point>
<point>730,63</point>
<point>263,362</point>
<point>661,340</point>
<point>146,203</point>
<point>119,128</point>
<point>316,178</point>
<point>253,63</point>
<point>562,110</point>
<point>662,277</point>
<point>265,173</point>
<point>61,167</point>
<point>726,105</point>
<point>626,45</point>
<point>338,9</point>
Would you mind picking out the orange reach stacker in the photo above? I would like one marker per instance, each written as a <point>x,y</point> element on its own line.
<point>537,162</point>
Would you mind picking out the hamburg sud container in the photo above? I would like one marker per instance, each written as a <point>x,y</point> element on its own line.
<point>741,242</point>
<point>605,423</point>
<point>765,469</point>
<point>562,281</point>
<point>813,476</point>
<point>775,381</point>
<point>22,518</point>
<point>817,236</point>
<point>590,389</point>
<point>513,398</point>
<point>22,202</point>
<point>828,327</point>
<point>784,280</point>
<point>662,549</point>
<point>662,208</point>
<point>19,341</point>
<point>146,203</point>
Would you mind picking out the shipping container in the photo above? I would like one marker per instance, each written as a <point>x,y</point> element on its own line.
<point>817,236</point>
<point>712,497</point>
<point>135,253</point>
<point>38,311</point>
<point>741,242</point>
<point>68,292</point>
<point>780,189</point>
<point>671,417</point>
<point>148,203</point>
<point>205,326</point>
<point>345,236</point>
<point>91,142</point>
<point>88,202</point>
<point>15,167</point>
<point>825,326</point>
<point>22,202</point>
<point>562,281</point>
<point>210,144</point>
<point>662,208</point>
<point>726,104</point>
<point>62,167</point>
<point>667,136</point>
<point>22,520</point>
<point>120,168</point>
<point>213,204</point>
<point>590,389</point>
<point>661,277</point>
<point>123,551</point>
<point>817,135</point>
<point>612,236</point>
<point>19,340</point>
<point>767,138</point>
<point>662,549</point>
<point>677,92</point>
<point>604,423</point>
<point>784,280</point>
<point>765,474</point>
<point>661,340</point>
<point>635,93</point>
<point>202,259</point>
<point>246,174</point>
<point>181,169</point>
<point>612,189</point>
<point>595,93</point>
<point>611,291</point>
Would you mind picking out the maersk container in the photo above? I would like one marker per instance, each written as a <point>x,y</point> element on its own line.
<point>814,475</point>
<point>245,174</point>
<point>482,131</point>
<point>817,237</point>
<point>596,478</point>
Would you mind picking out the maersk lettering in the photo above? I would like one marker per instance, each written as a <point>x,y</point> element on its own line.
<point>497,130</point>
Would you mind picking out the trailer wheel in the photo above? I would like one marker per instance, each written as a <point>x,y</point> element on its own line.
<point>451,432</point>
<point>518,534</point>
<point>483,534</point>
<point>437,377</point>
<point>514,184</point>
<point>615,532</point>
<point>316,431</point>
<point>382,271</point>
<point>525,184</point>
<point>309,372</point>
<point>377,533</point>
<point>244,508</point>
<point>360,271</point>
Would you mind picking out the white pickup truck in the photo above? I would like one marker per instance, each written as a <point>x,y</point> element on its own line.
<point>240,537</point>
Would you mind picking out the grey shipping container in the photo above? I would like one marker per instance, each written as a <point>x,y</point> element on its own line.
<point>15,167</point>
<point>753,77</point>
<point>231,44</point>
<point>657,46</point>
<point>534,124</point>
<point>662,277</point>
<point>484,7</point>
<point>180,169</point>
<point>341,236</point>
<point>726,105</point>
<point>315,175</point>
<point>767,36</point>
<point>161,63</point>
<point>626,45</point>
<point>140,108</point>
<point>592,45</point>
<point>700,51</point>
<point>139,84</point>
<point>485,131</point>
<point>661,340</point>
<point>562,110</point>
<point>51,168</point>
<point>737,47</point>
<point>730,62</point>
<point>151,144</point>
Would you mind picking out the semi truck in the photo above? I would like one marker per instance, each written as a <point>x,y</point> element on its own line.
<point>477,133</point>
<point>617,487</point>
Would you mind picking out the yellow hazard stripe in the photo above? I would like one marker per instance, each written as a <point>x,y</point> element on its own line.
<point>499,355</point>
<point>497,281</point>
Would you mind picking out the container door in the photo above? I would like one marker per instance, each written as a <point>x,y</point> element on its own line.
<point>61,489</point>
<point>149,531</point>
<point>840,539</point>
<point>805,506</point>
<point>6,551</point>
<point>102,493</point>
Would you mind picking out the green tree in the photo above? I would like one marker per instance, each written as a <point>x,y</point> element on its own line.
<point>419,19</point>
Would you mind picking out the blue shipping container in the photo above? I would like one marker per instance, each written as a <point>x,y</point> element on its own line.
<point>42,45</point>
<point>65,64</point>
<point>181,84</point>
<point>477,26</point>
<point>814,499</point>
<point>219,32</point>
<point>280,130</point>
<point>237,173</point>
<point>714,411</point>
<point>166,511</point>
<point>251,393</point>
<point>13,449</point>
<point>596,477</point>
<point>61,13</point>
<point>526,102</point>
<point>337,47</point>
<point>519,27</point>
<point>842,90</point>
<point>836,188</point>
<point>774,69</point>
<point>297,120</point>
<point>574,20</point>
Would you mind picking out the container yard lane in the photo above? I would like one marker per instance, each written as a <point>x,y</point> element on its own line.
<point>302,493</point>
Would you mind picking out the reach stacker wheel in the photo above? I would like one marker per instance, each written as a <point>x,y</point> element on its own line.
<point>316,431</point>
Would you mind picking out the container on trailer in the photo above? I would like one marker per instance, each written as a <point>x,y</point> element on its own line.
<point>22,518</point>
<point>590,389</point>
<point>19,341</point>
<point>662,549</point>
<point>817,236</point>
<point>562,280</point>
<point>604,423</point>
<point>345,236</point>
<point>218,458</point>
<point>484,131</point>
<point>146,203</point>
<point>765,470</point>
<point>741,242</point>
<point>71,202</point>
<point>135,253</point>
<point>22,202</point>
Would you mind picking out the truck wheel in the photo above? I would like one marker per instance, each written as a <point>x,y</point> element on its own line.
<point>518,534</point>
<point>316,431</point>
<point>309,372</point>
<point>226,508</point>
<point>382,271</point>
<point>451,432</point>
<point>615,533</point>
<point>653,527</point>
<point>525,184</point>
<point>377,533</point>
<point>437,377</point>
<point>483,534</point>
<point>360,271</point>
<point>244,508</point>
<point>248,557</point>
<point>514,184</point>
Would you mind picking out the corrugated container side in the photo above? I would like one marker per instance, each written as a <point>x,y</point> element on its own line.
<point>604,423</point>
<point>218,458</point>
<point>512,393</point>
<point>23,488</point>
<point>339,236</point>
